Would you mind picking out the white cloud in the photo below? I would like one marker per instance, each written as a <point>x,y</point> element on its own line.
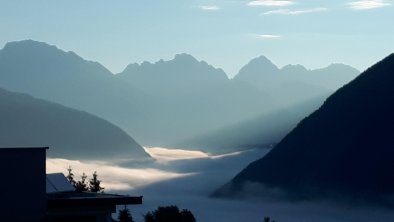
<point>164,155</point>
<point>293,12</point>
<point>270,3</point>
<point>268,36</point>
<point>367,4</point>
<point>210,7</point>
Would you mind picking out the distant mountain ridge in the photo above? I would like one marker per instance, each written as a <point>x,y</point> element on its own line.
<point>159,103</point>
<point>344,150</point>
<point>262,72</point>
<point>294,83</point>
<point>195,96</point>
<point>184,69</point>
<point>27,121</point>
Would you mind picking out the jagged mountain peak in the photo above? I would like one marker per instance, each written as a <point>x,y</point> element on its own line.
<point>256,69</point>
<point>38,56</point>
<point>28,47</point>
<point>28,43</point>
<point>261,62</point>
<point>183,70</point>
<point>184,57</point>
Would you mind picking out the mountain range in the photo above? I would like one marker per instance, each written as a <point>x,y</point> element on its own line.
<point>293,84</point>
<point>193,97</point>
<point>27,121</point>
<point>342,151</point>
<point>162,103</point>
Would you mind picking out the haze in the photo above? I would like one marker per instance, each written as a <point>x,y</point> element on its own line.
<point>312,33</point>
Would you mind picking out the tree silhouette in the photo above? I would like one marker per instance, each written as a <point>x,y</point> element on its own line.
<point>94,184</point>
<point>70,177</point>
<point>125,215</point>
<point>187,215</point>
<point>169,213</point>
<point>268,219</point>
<point>149,217</point>
<point>81,186</point>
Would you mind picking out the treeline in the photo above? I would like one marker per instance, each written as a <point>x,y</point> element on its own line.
<point>83,185</point>
<point>161,214</point>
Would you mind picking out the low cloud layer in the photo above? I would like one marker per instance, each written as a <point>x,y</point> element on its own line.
<point>164,155</point>
<point>170,164</point>
<point>113,177</point>
<point>190,176</point>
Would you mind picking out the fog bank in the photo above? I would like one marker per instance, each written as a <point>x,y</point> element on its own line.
<point>186,179</point>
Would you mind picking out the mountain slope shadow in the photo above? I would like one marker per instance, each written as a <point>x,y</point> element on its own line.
<point>26,121</point>
<point>344,150</point>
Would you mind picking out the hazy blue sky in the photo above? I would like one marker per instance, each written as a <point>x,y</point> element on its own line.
<point>225,33</point>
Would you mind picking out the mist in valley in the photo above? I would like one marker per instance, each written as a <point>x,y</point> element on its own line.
<point>187,178</point>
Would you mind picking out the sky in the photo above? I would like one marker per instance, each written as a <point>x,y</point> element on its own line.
<point>225,33</point>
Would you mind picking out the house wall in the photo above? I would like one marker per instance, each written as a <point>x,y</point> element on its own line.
<point>22,184</point>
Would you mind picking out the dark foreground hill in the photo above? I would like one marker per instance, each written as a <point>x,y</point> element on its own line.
<point>26,121</point>
<point>343,150</point>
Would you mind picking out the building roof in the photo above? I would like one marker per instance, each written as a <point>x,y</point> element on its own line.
<point>21,148</point>
<point>57,182</point>
<point>65,199</point>
<point>60,193</point>
<point>24,148</point>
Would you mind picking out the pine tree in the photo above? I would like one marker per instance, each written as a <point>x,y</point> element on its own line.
<point>94,184</point>
<point>81,186</point>
<point>268,219</point>
<point>187,215</point>
<point>124,215</point>
<point>149,217</point>
<point>169,213</point>
<point>70,177</point>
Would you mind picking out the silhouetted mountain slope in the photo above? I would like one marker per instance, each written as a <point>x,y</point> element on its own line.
<point>294,83</point>
<point>344,148</point>
<point>26,121</point>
